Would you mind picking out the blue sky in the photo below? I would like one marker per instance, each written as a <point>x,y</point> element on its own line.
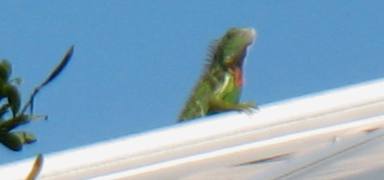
<point>136,61</point>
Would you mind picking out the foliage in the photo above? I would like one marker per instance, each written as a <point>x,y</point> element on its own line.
<point>11,116</point>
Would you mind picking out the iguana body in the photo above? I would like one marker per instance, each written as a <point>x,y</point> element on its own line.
<point>219,88</point>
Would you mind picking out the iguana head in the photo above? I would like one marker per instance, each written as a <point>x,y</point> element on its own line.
<point>234,46</point>
<point>232,49</point>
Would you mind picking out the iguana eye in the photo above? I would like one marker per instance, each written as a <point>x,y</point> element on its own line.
<point>230,34</point>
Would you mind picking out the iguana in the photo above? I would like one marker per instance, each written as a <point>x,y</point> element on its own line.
<point>219,87</point>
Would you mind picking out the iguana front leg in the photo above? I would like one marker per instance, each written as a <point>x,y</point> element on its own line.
<point>219,105</point>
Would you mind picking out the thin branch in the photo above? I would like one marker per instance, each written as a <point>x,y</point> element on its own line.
<point>50,78</point>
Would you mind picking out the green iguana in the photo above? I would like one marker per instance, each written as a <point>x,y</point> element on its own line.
<point>219,88</point>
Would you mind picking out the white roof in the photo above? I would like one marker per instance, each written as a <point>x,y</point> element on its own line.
<point>329,135</point>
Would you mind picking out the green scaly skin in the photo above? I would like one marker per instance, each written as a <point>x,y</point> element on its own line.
<point>219,89</point>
